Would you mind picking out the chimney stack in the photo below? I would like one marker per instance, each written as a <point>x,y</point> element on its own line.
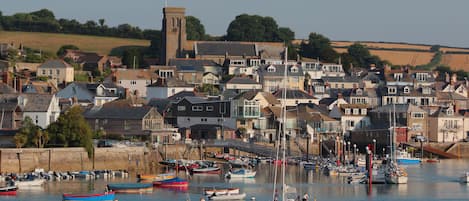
<point>454,79</point>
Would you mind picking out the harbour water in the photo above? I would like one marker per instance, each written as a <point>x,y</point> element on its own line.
<point>433,181</point>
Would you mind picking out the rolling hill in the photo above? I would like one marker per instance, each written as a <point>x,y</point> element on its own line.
<point>51,42</point>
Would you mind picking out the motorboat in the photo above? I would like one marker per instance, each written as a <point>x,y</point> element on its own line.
<point>464,178</point>
<point>223,191</point>
<point>106,196</point>
<point>236,196</point>
<point>241,173</point>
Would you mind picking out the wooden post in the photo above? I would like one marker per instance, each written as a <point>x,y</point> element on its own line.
<point>94,155</point>
<point>49,158</point>
<point>18,155</point>
<point>0,161</point>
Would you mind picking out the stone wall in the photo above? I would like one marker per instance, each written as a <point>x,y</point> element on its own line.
<point>74,159</point>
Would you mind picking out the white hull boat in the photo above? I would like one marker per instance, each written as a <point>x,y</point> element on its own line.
<point>242,173</point>
<point>31,183</point>
<point>229,197</point>
<point>464,178</point>
<point>222,191</point>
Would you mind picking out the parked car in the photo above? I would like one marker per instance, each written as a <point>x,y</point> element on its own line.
<point>419,138</point>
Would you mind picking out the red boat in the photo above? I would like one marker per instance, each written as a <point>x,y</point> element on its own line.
<point>172,183</point>
<point>8,190</point>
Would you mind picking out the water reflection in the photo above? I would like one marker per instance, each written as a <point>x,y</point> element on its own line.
<point>426,182</point>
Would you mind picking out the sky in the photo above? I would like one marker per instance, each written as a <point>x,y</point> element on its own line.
<point>413,21</point>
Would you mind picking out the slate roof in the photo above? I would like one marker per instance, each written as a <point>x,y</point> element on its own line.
<point>279,70</point>
<point>37,102</point>
<point>441,112</point>
<point>449,96</point>
<point>40,87</point>
<point>5,89</point>
<point>241,80</point>
<point>170,82</point>
<point>117,112</point>
<point>341,79</point>
<point>34,102</point>
<point>293,94</point>
<point>399,108</point>
<point>221,48</point>
<point>55,64</point>
<point>192,62</point>
<point>160,104</point>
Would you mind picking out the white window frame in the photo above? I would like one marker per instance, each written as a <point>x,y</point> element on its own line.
<point>197,108</point>
<point>181,108</point>
<point>209,108</point>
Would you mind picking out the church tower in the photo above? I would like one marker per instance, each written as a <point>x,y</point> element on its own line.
<point>173,33</point>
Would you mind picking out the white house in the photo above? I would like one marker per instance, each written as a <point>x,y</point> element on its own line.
<point>136,80</point>
<point>165,88</point>
<point>446,125</point>
<point>352,116</point>
<point>43,109</point>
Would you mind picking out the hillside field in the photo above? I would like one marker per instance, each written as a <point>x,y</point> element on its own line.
<point>51,42</point>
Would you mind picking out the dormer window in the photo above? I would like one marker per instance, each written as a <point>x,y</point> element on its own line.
<point>359,92</point>
<point>294,69</point>
<point>406,90</point>
<point>449,112</point>
<point>356,111</point>
<point>271,69</point>
<point>398,76</point>
<point>391,90</point>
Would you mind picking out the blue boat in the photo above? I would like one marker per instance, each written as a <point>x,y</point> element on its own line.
<point>404,158</point>
<point>131,187</point>
<point>108,196</point>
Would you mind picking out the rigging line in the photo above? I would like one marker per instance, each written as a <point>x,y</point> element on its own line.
<point>284,110</point>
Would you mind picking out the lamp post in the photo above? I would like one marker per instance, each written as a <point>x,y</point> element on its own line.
<point>374,148</point>
<point>320,148</point>
<point>354,153</point>
<point>344,144</point>
<point>348,151</point>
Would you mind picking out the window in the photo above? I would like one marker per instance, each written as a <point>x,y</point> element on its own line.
<point>347,111</point>
<point>391,90</point>
<point>181,108</point>
<point>406,90</point>
<point>197,108</point>
<point>363,111</point>
<point>417,115</point>
<point>133,82</point>
<point>58,72</point>
<point>426,90</point>
<point>126,125</point>
<point>209,108</point>
<point>270,69</point>
<point>43,72</point>
<point>356,111</point>
<point>50,72</point>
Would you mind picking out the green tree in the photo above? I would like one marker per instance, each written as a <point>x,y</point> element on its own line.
<point>44,14</point>
<point>1,20</point>
<point>62,50</point>
<point>208,88</point>
<point>132,57</point>
<point>435,48</point>
<point>318,46</point>
<point>20,140</point>
<point>29,134</point>
<point>258,29</point>
<point>101,22</point>
<point>285,34</point>
<point>194,29</point>
<point>72,130</point>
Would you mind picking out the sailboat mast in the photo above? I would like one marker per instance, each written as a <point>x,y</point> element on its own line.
<point>284,119</point>
<point>394,132</point>
<point>390,134</point>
